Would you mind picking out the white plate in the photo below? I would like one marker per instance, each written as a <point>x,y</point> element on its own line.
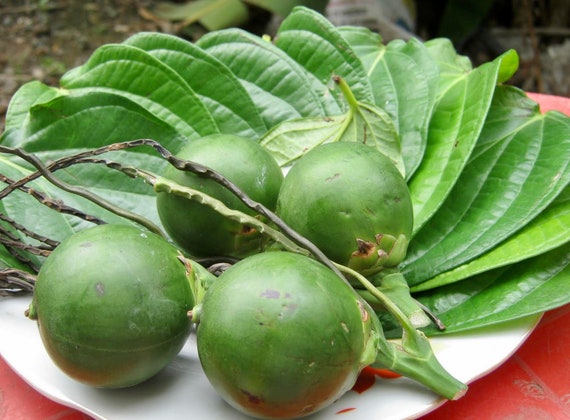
<point>182,391</point>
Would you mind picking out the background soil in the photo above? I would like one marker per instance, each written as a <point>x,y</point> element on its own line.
<point>41,39</point>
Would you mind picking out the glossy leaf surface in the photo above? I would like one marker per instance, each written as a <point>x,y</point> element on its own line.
<point>530,287</point>
<point>133,73</point>
<point>513,176</point>
<point>279,87</point>
<point>216,86</point>
<point>454,128</point>
<point>404,82</point>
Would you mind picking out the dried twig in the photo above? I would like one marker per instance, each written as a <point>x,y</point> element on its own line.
<point>16,282</point>
<point>48,242</point>
<point>56,205</point>
<point>47,173</point>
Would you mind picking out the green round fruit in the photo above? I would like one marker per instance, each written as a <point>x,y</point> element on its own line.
<point>351,202</point>
<point>197,228</point>
<point>111,304</point>
<point>281,336</point>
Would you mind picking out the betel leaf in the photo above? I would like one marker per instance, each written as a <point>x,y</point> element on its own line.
<point>403,76</point>
<point>279,87</point>
<point>81,121</point>
<point>217,87</point>
<point>133,73</point>
<point>365,43</point>
<point>549,230</point>
<point>317,45</point>
<point>362,123</point>
<point>89,119</point>
<point>291,139</point>
<point>28,95</point>
<point>451,65</point>
<point>507,183</point>
<point>454,128</point>
<point>529,287</point>
<point>373,126</point>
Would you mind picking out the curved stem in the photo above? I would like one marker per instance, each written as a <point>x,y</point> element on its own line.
<point>16,282</point>
<point>402,319</point>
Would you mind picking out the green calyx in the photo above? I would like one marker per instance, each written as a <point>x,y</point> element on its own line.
<point>386,251</point>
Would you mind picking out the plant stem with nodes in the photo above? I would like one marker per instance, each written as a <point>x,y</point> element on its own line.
<point>56,205</point>
<point>15,282</point>
<point>46,172</point>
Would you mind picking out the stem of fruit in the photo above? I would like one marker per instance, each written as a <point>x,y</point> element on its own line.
<point>414,358</point>
<point>418,362</point>
<point>394,285</point>
<point>390,306</point>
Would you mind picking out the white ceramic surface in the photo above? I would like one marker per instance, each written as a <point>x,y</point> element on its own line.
<point>182,391</point>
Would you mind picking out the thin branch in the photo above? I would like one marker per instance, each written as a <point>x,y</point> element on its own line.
<point>56,205</point>
<point>49,242</point>
<point>46,172</point>
<point>17,244</point>
<point>16,282</point>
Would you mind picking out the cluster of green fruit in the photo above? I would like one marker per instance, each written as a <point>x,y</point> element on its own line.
<point>115,303</point>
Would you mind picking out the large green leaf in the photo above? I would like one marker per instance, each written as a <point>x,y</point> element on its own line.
<point>217,87</point>
<point>88,119</point>
<point>28,95</point>
<point>403,76</point>
<point>362,123</point>
<point>280,88</point>
<point>530,287</point>
<point>451,65</point>
<point>509,181</point>
<point>373,126</point>
<point>318,46</point>
<point>454,128</point>
<point>76,122</point>
<point>24,209</point>
<point>291,139</point>
<point>549,230</point>
<point>133,73</point>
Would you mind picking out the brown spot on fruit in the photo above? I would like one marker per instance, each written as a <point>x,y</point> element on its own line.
<point>252,399</point>
<point>270,294</point>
